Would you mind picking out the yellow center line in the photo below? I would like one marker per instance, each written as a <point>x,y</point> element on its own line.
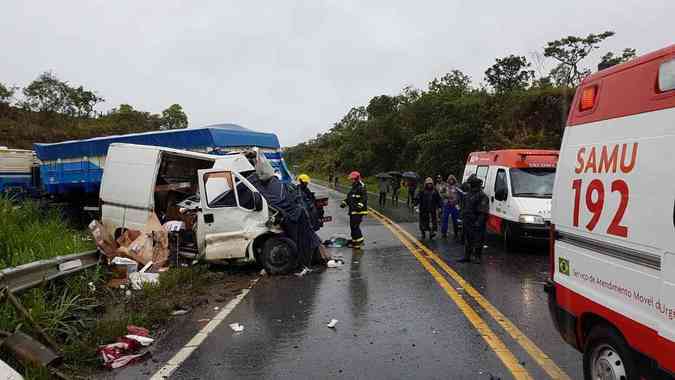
<point>505,355</point>
<point>546,363</point>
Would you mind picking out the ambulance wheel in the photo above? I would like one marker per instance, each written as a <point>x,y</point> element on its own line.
<point>279,255</point>
<point>509,239</point>
<point>607,356</point>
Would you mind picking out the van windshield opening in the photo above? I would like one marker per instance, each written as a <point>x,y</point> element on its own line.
<point>532,182</point>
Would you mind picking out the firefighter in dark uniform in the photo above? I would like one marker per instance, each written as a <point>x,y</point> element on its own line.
<point>357,202</point>
<point>475,209</point>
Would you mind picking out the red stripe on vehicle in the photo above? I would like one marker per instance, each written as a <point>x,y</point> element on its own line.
<point>494,223</point>
<point>642,338</point>
<point>624,90</point>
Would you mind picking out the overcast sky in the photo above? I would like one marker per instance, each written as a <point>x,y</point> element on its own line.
<point>293,67</point>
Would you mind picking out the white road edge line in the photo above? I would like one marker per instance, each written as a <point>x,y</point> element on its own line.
<point>185,352</point>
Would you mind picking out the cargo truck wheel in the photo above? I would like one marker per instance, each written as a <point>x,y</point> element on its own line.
<point>279,255</point>
<point>607,356</point>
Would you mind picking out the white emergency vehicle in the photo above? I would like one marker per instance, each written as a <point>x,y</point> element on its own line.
<point>519,184</point>
<point>612,289</point>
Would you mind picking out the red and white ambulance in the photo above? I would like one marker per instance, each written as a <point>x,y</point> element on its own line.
<point>519,184</point>
<point>612,291</point>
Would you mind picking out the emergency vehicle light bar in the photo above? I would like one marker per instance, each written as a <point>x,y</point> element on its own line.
<point>523,156</point>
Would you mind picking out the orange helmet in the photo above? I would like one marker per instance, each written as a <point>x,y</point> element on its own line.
<point>354,175</point>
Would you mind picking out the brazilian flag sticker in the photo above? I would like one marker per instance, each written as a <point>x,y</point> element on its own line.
<point>564,266</point>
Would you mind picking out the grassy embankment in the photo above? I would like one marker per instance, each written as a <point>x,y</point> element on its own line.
<point>80,312</point>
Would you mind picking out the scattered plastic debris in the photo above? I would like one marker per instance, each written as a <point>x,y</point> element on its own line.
<point>237,327</point>
<point>337,241</point>
<point>216,308</point>
<point>127,349</point>
<point>263,272</point>
<point>332,323</point>
<point>335,263</point>
<point>91,286</point>
<point>179,312</point>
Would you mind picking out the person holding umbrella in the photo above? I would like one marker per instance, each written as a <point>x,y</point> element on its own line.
<point>395,187</point>
<point>357,203</point>
<point>383,185</point>
<point>411,184</point>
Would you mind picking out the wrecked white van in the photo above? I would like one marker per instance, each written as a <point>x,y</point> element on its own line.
<point>221,215</point>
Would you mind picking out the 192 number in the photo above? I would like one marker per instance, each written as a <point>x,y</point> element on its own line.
<point>596,190</point>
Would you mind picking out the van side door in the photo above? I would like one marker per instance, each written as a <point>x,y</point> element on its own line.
<point>499,199</point>
<point>232,214</point>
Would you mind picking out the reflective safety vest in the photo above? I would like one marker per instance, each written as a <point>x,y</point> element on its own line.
<point>357,200</point>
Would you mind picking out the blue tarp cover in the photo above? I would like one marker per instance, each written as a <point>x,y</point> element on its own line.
<point>217,136</point>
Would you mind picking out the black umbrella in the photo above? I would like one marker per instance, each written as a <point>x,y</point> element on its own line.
<point>382,176</point>
<point>394,173</point>
<point>410,175</point>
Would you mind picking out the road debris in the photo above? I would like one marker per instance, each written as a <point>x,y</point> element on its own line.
<point>236,327</point>
<point>337,241</point>
<point>179,312</point>
<point>128,349</point>
<point>332,323</point>
<point>335,263</point>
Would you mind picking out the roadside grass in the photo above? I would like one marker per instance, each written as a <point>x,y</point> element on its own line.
<point>371,183</point>
<point>81,312</point>
<point>30,233</point>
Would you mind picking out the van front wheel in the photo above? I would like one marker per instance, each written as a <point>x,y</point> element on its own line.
<point>607,356</point>
<point>279,255</point>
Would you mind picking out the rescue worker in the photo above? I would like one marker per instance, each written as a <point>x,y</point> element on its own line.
<point>475,209</point>
<point>357,203</point>
<point>450,196</point>
<point>429,201</point>
<point>309,201</point>
<point>383,184</point>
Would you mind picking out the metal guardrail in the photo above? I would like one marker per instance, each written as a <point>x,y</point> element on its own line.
<point>29,275</point>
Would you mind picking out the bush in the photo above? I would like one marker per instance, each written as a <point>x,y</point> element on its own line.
<point>31,233</point>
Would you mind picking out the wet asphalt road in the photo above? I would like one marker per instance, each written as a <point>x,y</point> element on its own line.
<point>395,321</point>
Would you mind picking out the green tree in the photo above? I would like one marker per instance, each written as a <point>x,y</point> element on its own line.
<point>174,118</point>
<point>455,82</point>
<point>609,59</point>
<point>46,94</point>
<point>570,52</point>
<point>6,93</point>
<point>509,74</point>
<point>81,102</point>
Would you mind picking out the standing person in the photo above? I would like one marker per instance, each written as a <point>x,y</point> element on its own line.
<point>429,202</point>
<point>475,209</point>
<point>411,184</point>
<point>450,196</point>
<point>395,189</point>
<point>357,202</point>
<point>335,184</point>
<point>309,202</point>
<point>384,189</point>
<point>330,177</point>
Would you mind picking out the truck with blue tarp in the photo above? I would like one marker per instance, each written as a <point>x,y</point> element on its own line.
<point>16,168</point>
<point>72,170</point>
